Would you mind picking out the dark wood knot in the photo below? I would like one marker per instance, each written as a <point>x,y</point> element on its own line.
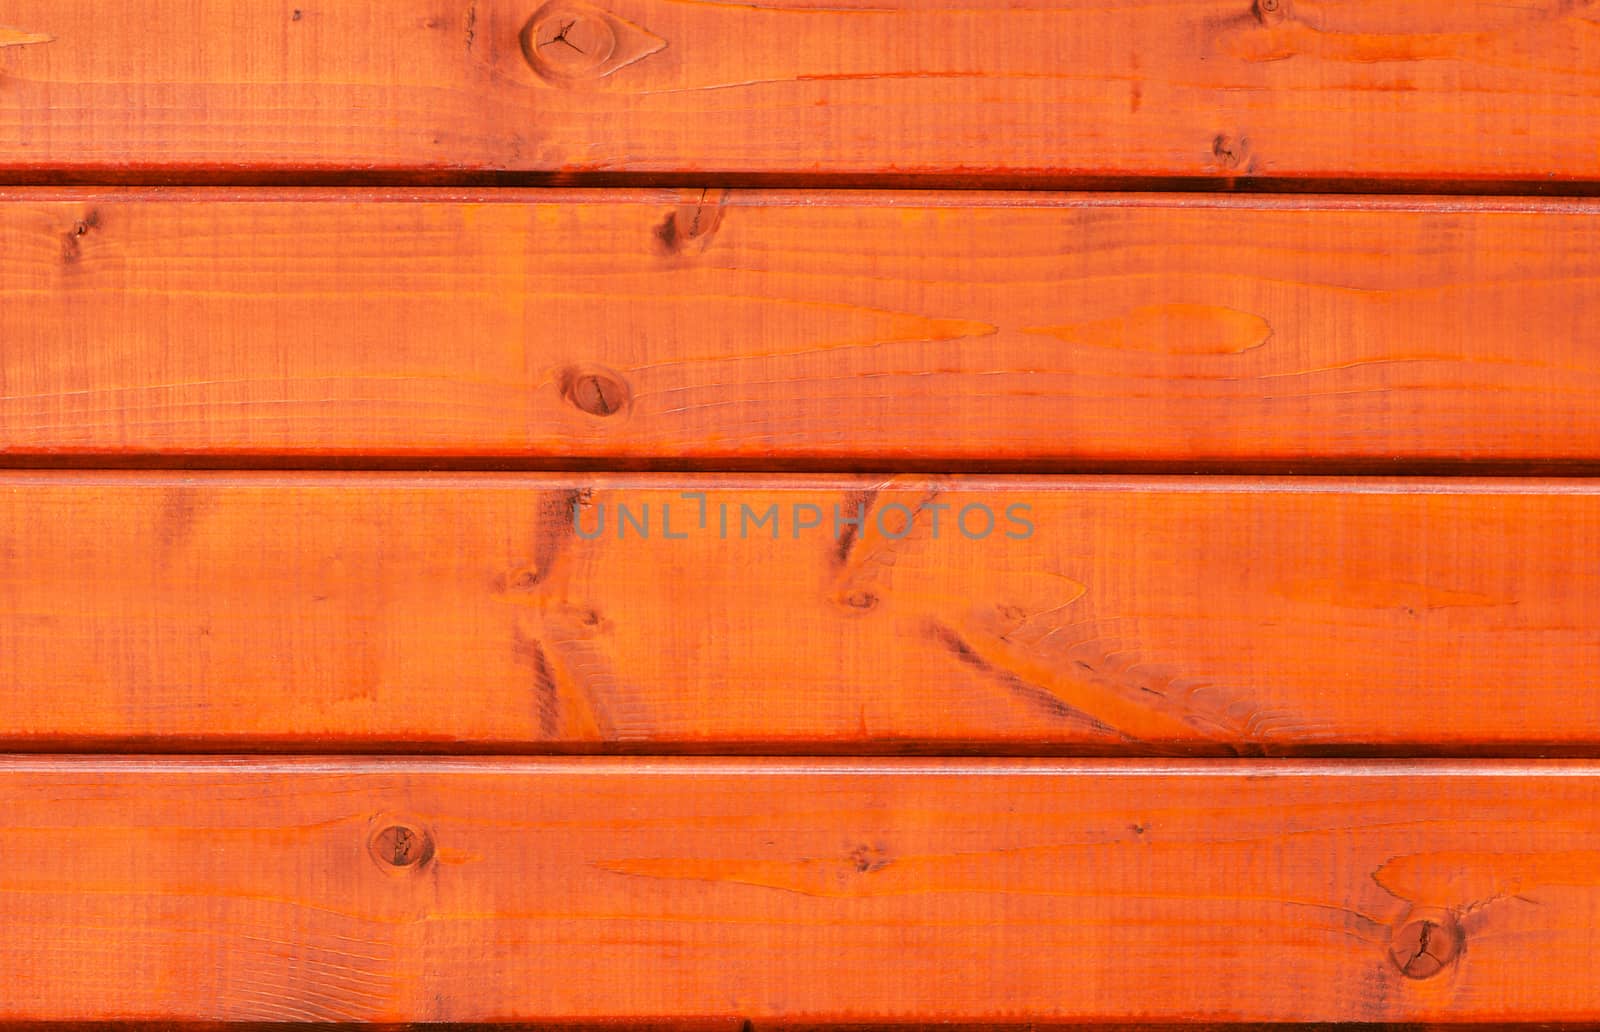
<point>568,42</point>
<point>599,392</point>
<point>1427,942</point>
<point>400,845</point>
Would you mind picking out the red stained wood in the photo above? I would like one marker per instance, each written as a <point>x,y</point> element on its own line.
<point>785,330</point>
<point>870,587</point>
<point>1205,90</point>
<point>799,891</point>
<point>1120,615</point>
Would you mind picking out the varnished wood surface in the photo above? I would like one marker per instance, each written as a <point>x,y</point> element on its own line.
<point>1220,90</point>
<point>789,330</point>
<point>418,890</point>
<point>1124,615</point>
<point>794,331</point>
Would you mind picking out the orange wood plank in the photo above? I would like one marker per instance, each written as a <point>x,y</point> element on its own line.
<point>835,330</point>
<point>1209,89</point>
<point>452,890</point>
<point>1206,615</point>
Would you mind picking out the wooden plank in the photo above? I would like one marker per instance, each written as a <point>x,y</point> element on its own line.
<point>982,90</point>
<point>1101,615</point>
<point>453,890</point>
<point>937,331</point>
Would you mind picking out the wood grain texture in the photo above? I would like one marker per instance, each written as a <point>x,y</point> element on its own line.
<point>1206,89</point>
<point>1101,615</point>
<point>803,891</point>
<point>785,330</point>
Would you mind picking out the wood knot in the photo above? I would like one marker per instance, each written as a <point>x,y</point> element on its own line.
<point>599,392</point>
<point>1270,12</point>
<point>688,228</point>
<point>567,41</point>
<point>71,246</point>
<point>869,859</point>
<point>1232,153</point>
<point>524,579</point>
<point>862,600</point>
<point>400,845</point>
<point>1427,942</point>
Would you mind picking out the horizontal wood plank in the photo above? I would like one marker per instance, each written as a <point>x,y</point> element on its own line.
<point>451,890</point>
<point>784,330</point>
<point>1206,615</point>
<point>1222,90</point>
